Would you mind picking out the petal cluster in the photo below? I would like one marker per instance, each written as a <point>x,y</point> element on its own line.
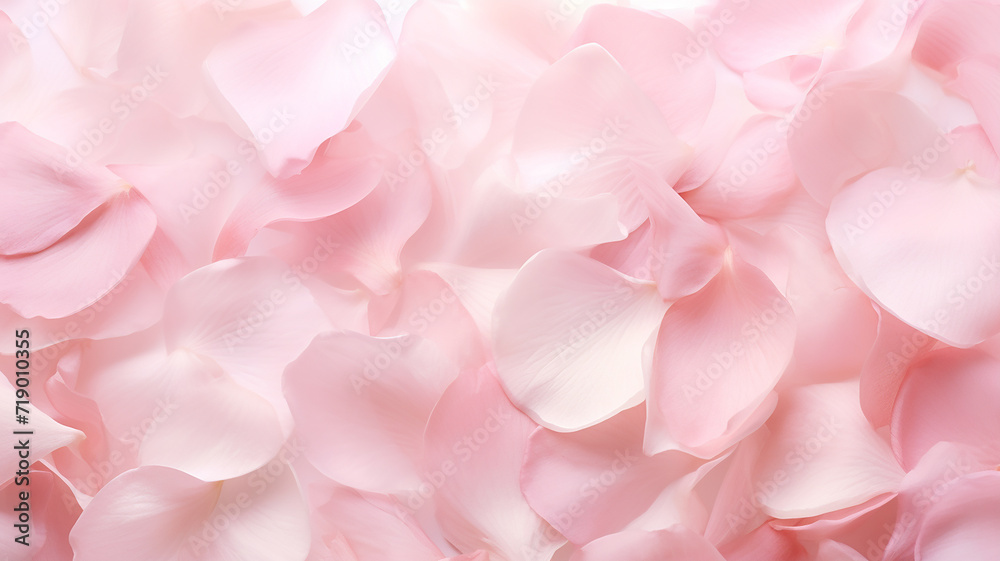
<point>500,280</point>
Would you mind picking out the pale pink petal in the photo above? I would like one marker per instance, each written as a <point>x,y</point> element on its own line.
<point>596,481</point>
<point>835,322</point>
<point>158,513</point>
<point>822,454</point>
<point>676,543</point>
<point>47,435</point>
<point>719,353</point>
<point>688,251</point>
<point>428,307</point>
<point>750,33</point>
<point>207,426</point>
<point>364,527</point>
<point>956,31</point>
<point>682,90</point>
<point>134,304</point>
<point>567,336</point>
<point>963,525</point>
<point>297,82</point>
<point>474,444</point>
<point>53,511</point>
<point>84,265</point>
<point>979,82</point>
<point>335,180</point>
<point>756,173</point>
<point>949,395</point>
<point>499,227</point>
<point>383,389</point>
<point>584,120</point>
<point>838,135</point>
<point>43,197</point>
<point>878,228</point>
<point>252,316</point>
<point>896,347</point>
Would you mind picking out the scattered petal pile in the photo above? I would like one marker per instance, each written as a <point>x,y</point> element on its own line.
<point>500,280</point>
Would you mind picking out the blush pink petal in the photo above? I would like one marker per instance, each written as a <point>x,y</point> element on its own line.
<point>158,513</point>
<point>428,307</point>
<point>584,120</point>
<point>718,354</point>
<point>335,180</point>
<point>596,481</point>
<point>822,455</point>
<point>502,228</point>
<point>53,510</point>
<point>249,316</point>
<point>781,84</point>
<point>963,525</point>
<point>84,265</point>
<point>476,439</point>
<point>938,471</point>
<point>896,346</point>
<point>835,322</point>
<point>384,389</point>
<point>206,425</point>
<point>683,90</point>
<point>830,550</point>
<point>297,82</point>
<point>676,543</point>
<point>755,174</point>
<point>567,337</point>
<point>894,258</point>
<point>954,32</point>
<point>979,82</point>
<point>48,434</point>
<point>840,134</point>
<point>354,525</point>
<point>42,197</point>
<point>780,546</point>
<point>948,395</point>
<point>366,239</point>
<point>134,304</point>
<point>686,251</point>
<point>750,33</point>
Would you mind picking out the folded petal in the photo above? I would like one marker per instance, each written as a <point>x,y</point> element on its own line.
<point>688,250</point>
<point>335,180</point>
<point>596,481</point>
<point>84,265</point>
<point>978,81</point>
<point>48,435</point>
<point>207,425</point>
<point>42,196</point>
<point>718,354</point>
